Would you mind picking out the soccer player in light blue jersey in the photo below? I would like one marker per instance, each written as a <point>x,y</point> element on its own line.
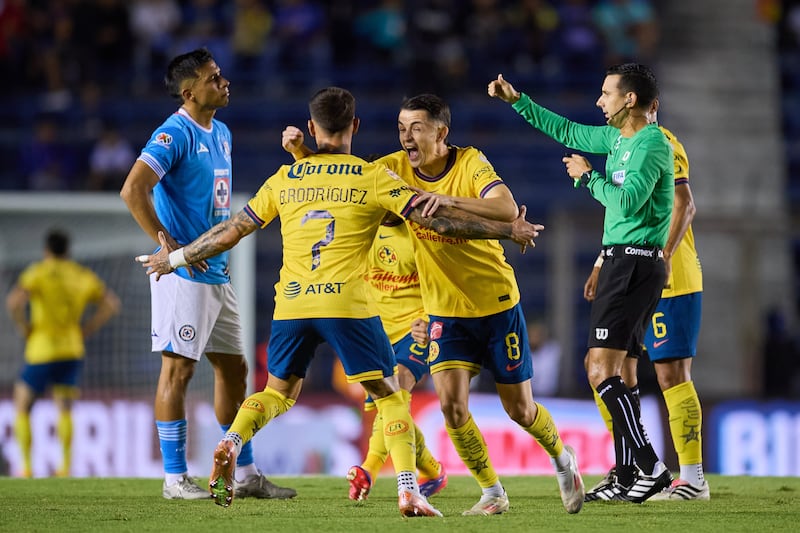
<point>186,165</point>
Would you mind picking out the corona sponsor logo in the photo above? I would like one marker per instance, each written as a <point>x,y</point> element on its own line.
<point>253,405</point>
<point>395,427</point>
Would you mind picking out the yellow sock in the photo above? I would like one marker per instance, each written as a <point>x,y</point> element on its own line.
<point>427,465</point>
<point>398,431</point>
<point>606,416</point>
<point>64,430</point>
<point>685,422</point>
<point>468,442</point>
<point>545,432</point>
<point>377,453</point>
<point>257,410</point>
<point>22,431</point>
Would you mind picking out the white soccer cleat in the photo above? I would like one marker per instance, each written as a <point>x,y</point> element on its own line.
<point>683,490</point>
<point>412,505</point>
<point>570,484</point>
<point>186,488</point>
<point>489,505</point>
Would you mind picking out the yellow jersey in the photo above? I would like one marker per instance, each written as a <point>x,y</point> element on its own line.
<point>59,291</point>
<point>330,206</point>
<point>394,280</point>
<point>464,278</point>
<point>687,274</point>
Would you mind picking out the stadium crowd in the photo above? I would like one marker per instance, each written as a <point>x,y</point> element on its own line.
<point>76,63</point>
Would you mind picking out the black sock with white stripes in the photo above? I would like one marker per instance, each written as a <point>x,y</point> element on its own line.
<point>626,416</point>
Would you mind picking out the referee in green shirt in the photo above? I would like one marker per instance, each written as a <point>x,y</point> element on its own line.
<point>637,192</point>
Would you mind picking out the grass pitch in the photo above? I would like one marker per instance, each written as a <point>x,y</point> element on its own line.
<point>738,504</point>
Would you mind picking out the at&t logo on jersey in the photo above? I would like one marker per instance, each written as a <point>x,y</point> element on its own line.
<point>292,290</point>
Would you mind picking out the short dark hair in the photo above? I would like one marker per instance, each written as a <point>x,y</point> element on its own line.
<point>332,109</point>
<point>185,67</point>
<point>436,107</point>
<point>636,78</point>
<point>57,242</point>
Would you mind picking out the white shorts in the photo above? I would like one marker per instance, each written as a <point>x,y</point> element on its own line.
<point>190,318</point>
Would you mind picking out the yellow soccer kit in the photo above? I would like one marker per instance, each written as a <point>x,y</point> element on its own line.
<point>394,280</point>
<point>687,275</point>
<point>483,283</point>
<point>59,291</point>
<point>321,199</point>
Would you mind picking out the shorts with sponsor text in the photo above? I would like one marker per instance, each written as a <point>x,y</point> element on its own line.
<point>497,342</point>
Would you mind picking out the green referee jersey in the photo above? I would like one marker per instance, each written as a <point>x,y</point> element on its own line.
<point>638,187</point>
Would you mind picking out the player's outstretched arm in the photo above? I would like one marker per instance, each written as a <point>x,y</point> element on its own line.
<point>216,240</point>
<point>454,222</point>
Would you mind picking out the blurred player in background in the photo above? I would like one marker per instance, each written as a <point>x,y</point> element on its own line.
<point>671,342</point>
<point>58,291</point>
<point>637,193</point>
<point>330,205</point>
<point>186,167</point>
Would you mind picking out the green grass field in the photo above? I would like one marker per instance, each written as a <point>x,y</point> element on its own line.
<point>745,504</point>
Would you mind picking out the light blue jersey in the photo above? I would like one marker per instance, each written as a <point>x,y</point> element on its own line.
<point>194,192</point>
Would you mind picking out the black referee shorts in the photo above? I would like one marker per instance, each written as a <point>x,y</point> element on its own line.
<point>628,290</point>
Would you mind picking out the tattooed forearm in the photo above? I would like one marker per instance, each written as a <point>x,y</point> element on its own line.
<point>220,238</point>
<point>457,223</point>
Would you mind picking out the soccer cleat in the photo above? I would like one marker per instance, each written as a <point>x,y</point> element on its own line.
<point>429,487</point>
<point>412,505</point>
<point>220,483</point>
<point>258,486</point>
<point>683,490</point>
<point>360,483</point>
<point>609,479</point>
<point>611,492</point>
<point>488,505</point>
<point>644,486</point>
<point>185,489</point>
<point>570,484</point>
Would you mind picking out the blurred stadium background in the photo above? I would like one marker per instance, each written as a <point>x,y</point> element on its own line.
<point>84,91</point>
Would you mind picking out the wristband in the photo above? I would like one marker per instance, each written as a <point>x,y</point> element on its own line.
<point>599,261</point>
<point>177,259</point>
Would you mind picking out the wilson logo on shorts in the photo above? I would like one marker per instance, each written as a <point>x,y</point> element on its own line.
<point>601,334</point>
<point>187,333</point>
<point>292,290</point>
<point>395,427</point>
<point>436,330</point>
<point>253,405</point>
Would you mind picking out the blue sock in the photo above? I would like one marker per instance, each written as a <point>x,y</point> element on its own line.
<point>172,438</point>
<point>246,455</point>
